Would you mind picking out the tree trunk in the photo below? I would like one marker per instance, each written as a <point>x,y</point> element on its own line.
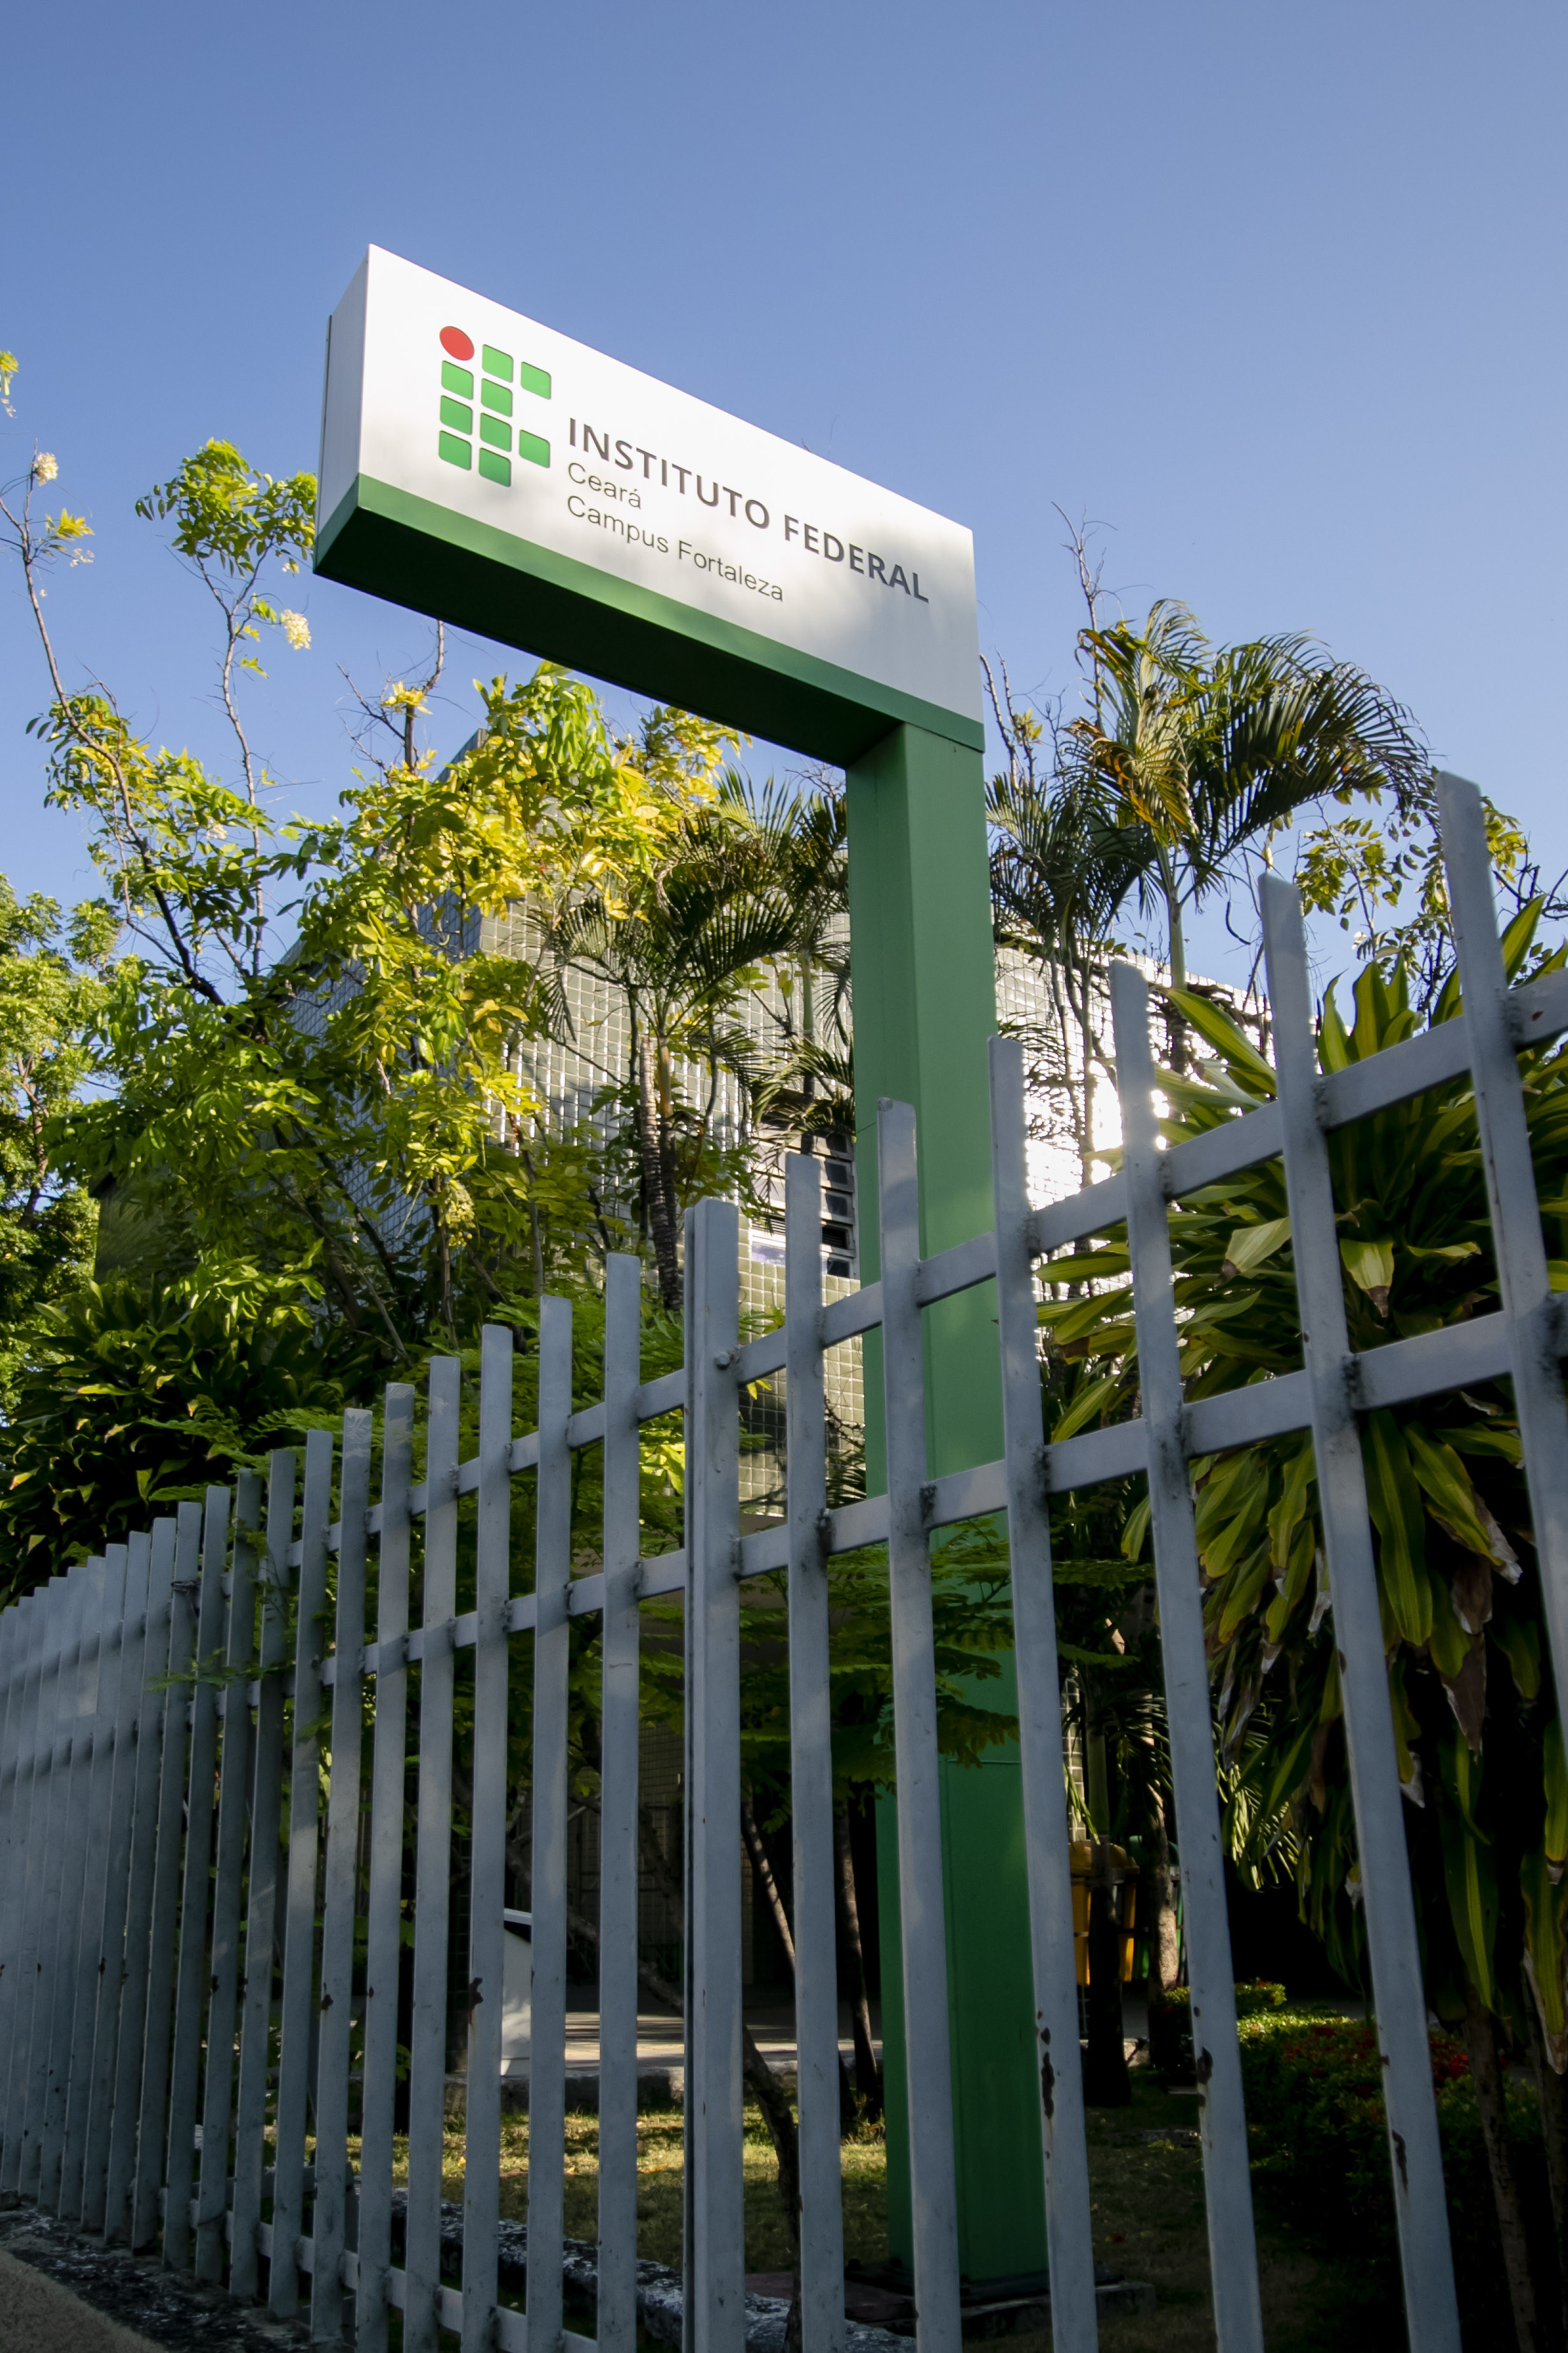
<point>1481,2041</point>
<point>1177,949</point>
<point>1552,2093</point>
<point>1106,2081</point>
<point>1106,2084</point>
<point>868,2075</point>
<point>764,1871</point>
<point>1165,1942</point>
<point>660,1203</point>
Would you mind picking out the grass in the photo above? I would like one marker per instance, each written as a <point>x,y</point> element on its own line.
<point>1148,2212</point>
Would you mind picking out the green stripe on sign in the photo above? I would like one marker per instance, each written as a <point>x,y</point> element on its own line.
<point>528,445</point>
<point>455,452</point>
<point>455,414</point>
<point>495,432</point>
<point>532,379</point>
<point>494,469</point>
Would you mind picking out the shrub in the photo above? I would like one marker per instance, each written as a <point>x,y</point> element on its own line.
<point>1171,2029</point>
<point>1315,2123</point>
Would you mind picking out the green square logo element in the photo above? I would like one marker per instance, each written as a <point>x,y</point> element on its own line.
<point>497,401</point>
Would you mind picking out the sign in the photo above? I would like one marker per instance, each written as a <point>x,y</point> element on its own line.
<point>478,465</point>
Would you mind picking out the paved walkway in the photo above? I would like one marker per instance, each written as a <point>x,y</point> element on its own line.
<point>38,2317</point>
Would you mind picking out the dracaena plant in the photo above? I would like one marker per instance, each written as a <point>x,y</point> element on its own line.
<point>1478,1738</point>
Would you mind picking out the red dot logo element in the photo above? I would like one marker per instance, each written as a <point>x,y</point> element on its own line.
<point>460,345</point>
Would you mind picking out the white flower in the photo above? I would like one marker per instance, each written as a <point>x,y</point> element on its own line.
<point>297,630</point>
<point>45,466</point>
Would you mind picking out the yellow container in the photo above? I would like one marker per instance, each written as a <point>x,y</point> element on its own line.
<point>1124,1875</point>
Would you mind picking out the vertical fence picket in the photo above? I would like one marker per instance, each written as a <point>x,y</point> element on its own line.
<point>191,1982</point>
<point>22,1729</point>
<point>487,1882</point>
<point>715,2253</point>
<point>922,1926</point>
<point>1398,1994</point>
<point>32,1807</point>
<point>111,1969</point>
<point>261,1923</point>
<point>1228,2181</point>
<point>232,1804</point>
<point>61,1971</point>
<point>1523,1278</point>
<point>297,2032</point>
<point>1046,1833</point>
<point>166,1876</point>
<point>620,1667</point>
<point>433,1860</point>
<point>821,2285</point>
<point>43,1877</point>
<point>141,1877</point>
<point>95,1876</point>
<point>339,1886</point>
<point>551,1666</point>
<point>383,1904</point>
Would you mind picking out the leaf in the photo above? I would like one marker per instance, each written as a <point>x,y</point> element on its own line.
<point>1556,1768</point>
<point>1293,1504</point>
<point>1249,1245</point>
<point>1395,1504</point>
<point>1090,1401</point>
<point>1517,938</point>
<point>1469,1873</point>
<point>1452,1498</point>
<point>1545,1898</point>
<point>1234,1048</point>
<point>1246,1583</point>
<point>1520,1643</point>
<point>1370,1265</point>
<point>1134,1535</point>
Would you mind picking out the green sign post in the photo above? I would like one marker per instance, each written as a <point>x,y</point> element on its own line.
<point>479,467</point>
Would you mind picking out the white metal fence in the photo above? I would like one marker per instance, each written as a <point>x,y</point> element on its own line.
<point>148,1883</point>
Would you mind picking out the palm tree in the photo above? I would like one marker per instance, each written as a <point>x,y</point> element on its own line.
<point>1061,870</point>
<point>752,883</point>
<point>1204,752</point>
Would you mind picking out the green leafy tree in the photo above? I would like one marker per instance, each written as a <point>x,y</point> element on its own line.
<point>47,1223</point>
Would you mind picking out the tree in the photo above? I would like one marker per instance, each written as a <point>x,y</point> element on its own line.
<point>743,889</point>
<point>1062,869</point>
<point>1207,752</point>
<point>48,1224</point>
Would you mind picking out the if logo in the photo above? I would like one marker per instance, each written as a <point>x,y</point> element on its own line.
<point>499,434</point>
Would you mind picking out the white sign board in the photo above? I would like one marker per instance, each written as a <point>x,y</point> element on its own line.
<point>484,415</point>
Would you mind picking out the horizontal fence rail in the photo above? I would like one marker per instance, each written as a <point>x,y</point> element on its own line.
<point>196,1837</point>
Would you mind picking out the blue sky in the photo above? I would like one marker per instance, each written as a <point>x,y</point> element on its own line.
<point>1276,295</point>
